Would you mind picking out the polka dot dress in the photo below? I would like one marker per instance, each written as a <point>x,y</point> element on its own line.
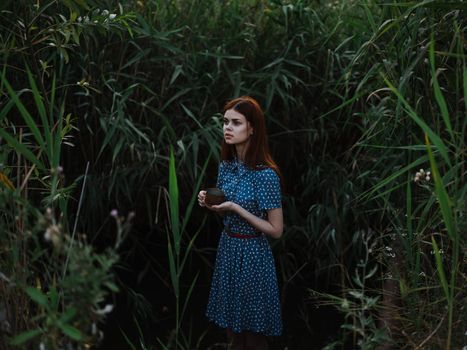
<point>244,293</point>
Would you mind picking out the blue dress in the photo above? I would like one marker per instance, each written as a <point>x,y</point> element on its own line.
<point>244,294</point>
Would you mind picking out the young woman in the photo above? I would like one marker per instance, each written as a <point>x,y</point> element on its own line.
<point>244,297</point>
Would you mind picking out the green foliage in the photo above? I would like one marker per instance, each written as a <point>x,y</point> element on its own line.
<point>55,289</point>
<point>62,308</point>
<point>358,304</point>
<point>135,88</point>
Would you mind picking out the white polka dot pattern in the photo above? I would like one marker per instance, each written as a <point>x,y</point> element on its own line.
<point>244,293</point>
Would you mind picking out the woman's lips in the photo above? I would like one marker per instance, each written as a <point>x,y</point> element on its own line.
<point>228,135</point>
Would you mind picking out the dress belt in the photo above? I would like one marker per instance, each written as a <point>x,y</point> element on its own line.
<point>241,235</point>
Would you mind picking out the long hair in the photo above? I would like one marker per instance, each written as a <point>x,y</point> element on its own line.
<point>257,154</point>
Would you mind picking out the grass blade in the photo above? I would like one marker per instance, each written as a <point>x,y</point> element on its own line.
<point>438,94</point>
<point>443,197</point>
<point>25,114</point>
<point>173,269</point>
<point>20,148</point>
<point>174,205</point>
<point>42,113</point>
<point>440,146</point>
<point>440,268</point>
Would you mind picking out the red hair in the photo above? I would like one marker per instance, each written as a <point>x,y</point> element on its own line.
<point>257,154</point>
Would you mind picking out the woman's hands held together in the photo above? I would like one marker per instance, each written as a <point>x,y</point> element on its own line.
<point>201,198</point>
<point>225,206</point>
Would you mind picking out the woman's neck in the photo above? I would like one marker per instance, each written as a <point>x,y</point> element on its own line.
<point>240,149</point>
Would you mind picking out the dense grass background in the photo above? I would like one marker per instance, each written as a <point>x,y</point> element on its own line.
<point>115,105</point>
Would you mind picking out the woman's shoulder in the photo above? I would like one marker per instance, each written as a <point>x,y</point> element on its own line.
<point>265,173</point>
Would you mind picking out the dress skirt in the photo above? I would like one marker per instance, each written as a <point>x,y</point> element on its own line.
<point>244,293</point>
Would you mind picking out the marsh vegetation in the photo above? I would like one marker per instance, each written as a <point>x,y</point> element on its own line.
<point>110,125</point>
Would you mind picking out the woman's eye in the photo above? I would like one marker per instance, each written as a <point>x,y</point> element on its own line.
<point>234,122</point>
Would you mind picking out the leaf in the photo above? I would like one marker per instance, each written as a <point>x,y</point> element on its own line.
<point>356,294</point>
<point>6,181</point>
<point>174,205</point>
<point>391,178</point>
<point>36,295</point>
<point>191,115</point>
<point>42,113</point>
<point>438,94</point>
<point>25,336</point>
<point>112,286</point>
<point>372,272</point>
<point>440,268</point>
<point>173,270</point>
<point>6,109</point>
<point>440,146</point>
<point>68,315</point>
<point>176,73</point>
<point>194,195</point>
<point>53,295</point>
<point>443,197</point>
<point>20,148</point>
<point>25,114</point>
<point>187,297</point>
<point>71,331</point>
<point>358,281</point>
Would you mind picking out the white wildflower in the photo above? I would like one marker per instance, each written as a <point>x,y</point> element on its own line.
<point>53,234</point>
<point>107,309</point>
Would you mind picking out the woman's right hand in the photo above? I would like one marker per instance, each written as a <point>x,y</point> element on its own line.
<point>201,198</point>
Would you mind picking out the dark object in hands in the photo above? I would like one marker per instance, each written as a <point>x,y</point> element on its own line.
<point>214,196</point>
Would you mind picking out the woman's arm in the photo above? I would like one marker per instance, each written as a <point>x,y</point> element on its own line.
<point>273,226</point>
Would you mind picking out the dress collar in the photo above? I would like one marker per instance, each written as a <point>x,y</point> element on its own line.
<point>238,166</point>
<point>239,162</point>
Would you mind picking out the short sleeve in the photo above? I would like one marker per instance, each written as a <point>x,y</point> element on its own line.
<point>220,175</point>
<point>268,189</point>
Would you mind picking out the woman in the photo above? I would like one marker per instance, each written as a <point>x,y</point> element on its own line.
<point>244,295</point>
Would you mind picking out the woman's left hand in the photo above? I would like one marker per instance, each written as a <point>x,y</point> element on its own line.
<point>225,206</point>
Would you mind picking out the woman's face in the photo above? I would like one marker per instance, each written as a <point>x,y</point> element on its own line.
<point>237,129</point>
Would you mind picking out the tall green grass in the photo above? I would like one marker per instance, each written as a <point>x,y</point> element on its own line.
<point>351,89</point>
